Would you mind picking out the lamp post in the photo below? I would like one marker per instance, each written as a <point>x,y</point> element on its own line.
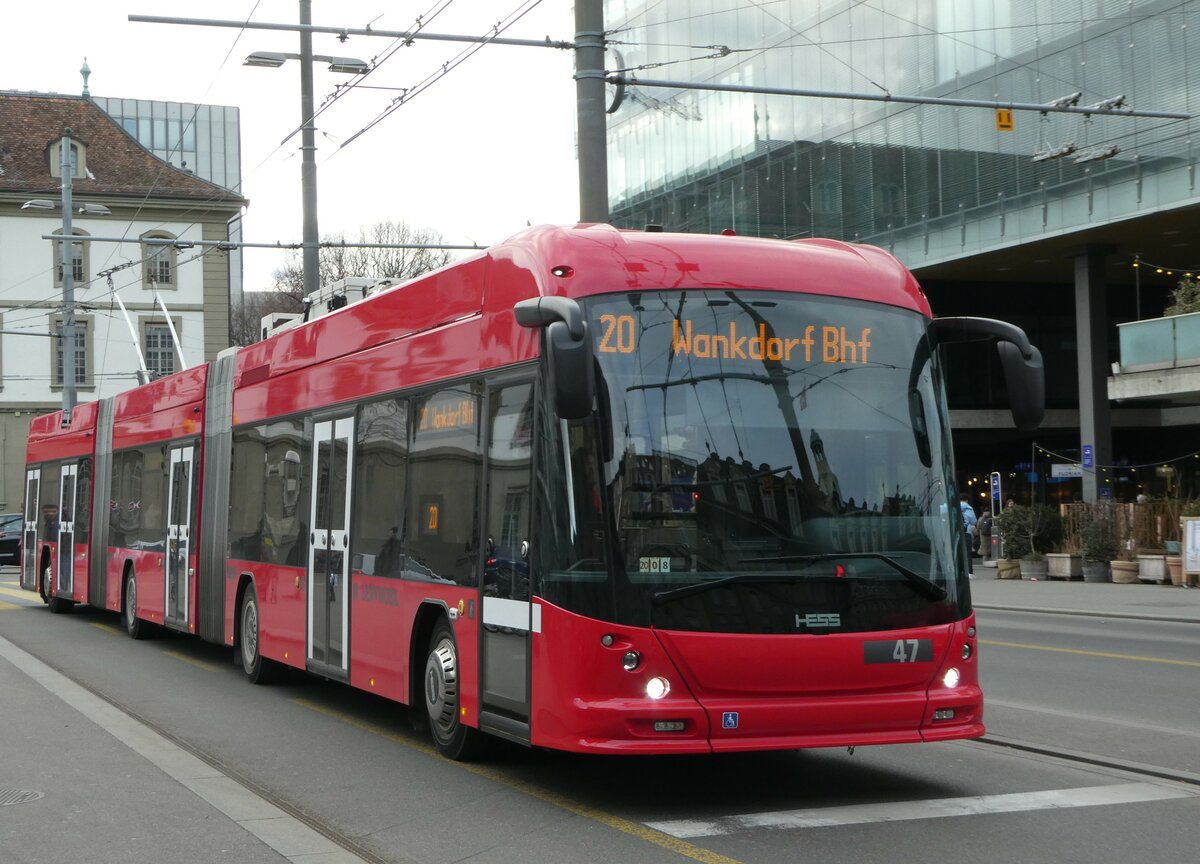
<point>67,263</point>
<point>308,147</point>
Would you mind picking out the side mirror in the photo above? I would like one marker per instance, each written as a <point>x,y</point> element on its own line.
<point>568,352</point>
<point>1022,363</point>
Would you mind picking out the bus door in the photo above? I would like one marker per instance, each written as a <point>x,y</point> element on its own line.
<point>29,539</point>
<point>508,615</point>
<point>65,586</point>
<point>329,541</point>
<point>179,532</point>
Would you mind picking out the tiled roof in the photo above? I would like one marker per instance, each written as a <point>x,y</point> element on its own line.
<point>119,166</point>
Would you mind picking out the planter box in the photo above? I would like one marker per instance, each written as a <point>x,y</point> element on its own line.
<point>1125,572</point>
<point>1063,566</point>
<point>1152,568</point>
<point>1096,571</point>
<point>1034,569</point>
<point>1008,568</point>
<point>1175,569</point>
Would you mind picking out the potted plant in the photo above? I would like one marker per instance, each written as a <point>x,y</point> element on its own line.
<point>1098,546</point>
<point>1029,533</point>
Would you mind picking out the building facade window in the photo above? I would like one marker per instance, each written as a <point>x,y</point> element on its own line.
<point>158,348</point>
<point>78,159</point>
<point>159,260</point>
<point>79,259</point>
<point>82,352</point>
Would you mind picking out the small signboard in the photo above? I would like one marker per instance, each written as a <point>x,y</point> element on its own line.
<point>1066,469</point>
<point>1004,119</point>
<point>1088,458</point>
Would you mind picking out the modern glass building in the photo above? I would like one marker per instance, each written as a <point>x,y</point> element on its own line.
<point>991,223</point>
<point>203,139</point>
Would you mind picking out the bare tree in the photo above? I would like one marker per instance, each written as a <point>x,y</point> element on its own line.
<point>245,318</point>
<point>339,262</point>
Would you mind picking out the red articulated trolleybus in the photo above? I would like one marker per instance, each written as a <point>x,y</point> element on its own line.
<point>592,490</point>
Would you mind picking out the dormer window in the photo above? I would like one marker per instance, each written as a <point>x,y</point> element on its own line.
<point>78,159</point>
<point>158,261</point>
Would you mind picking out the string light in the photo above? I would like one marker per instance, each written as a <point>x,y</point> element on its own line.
<point>1104,469</point>
<point>1140,263</point>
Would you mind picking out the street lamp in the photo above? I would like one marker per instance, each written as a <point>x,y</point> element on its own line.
<point>66,262</point>
<point>275,59</point>
<point>308,147</point>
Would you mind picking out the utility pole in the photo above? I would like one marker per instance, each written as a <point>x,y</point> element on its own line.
<point>589,111</point>
<point>66,247</point>
<point>308,147</point>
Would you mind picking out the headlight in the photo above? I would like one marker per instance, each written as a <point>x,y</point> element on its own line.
<point>657,688</point>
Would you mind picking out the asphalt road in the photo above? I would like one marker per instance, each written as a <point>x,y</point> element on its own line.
<point>1124,688</point>
<point>350,763</point>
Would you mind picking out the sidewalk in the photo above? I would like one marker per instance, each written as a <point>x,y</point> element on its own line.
<point>1104,599</point>
<point>81,782</point>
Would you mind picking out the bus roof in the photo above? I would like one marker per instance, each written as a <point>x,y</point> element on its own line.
<point>49,439</point>
<point>603,259</point>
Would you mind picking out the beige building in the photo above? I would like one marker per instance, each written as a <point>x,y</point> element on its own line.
<point>145,197</point>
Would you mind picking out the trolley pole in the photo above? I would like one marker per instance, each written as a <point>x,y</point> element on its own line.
<point>589,111</point>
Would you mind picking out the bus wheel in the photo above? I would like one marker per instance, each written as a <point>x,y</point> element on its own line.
<point>129,620</point>
<point>258,669</point>
<point>454,740</point>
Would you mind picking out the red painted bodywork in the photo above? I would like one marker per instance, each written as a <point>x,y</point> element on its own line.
<point>166,410</point>
<point>789,691</point>
<point>50,441</point>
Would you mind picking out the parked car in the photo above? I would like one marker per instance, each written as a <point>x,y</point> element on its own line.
<point>10,538</point>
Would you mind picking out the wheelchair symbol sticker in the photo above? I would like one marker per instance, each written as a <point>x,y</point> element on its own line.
<point>729,720</point>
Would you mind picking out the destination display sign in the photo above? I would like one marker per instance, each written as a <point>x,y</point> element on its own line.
<point>618,334</point>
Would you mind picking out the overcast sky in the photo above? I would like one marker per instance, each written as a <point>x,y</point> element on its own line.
<point>486,149</point>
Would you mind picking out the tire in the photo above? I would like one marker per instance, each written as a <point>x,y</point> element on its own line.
<point>258,669</point>
<point>134,626</point>
<point>452,739</point>
<point>57,605</point>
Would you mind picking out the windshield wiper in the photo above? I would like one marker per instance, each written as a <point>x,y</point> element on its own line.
<point>919,583</point>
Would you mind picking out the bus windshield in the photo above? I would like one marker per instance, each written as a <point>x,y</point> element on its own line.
<point>759,462</point>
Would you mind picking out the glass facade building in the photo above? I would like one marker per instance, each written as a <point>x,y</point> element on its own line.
<point>203,139</point>
<point>988,229</point>
<point>929,182</point>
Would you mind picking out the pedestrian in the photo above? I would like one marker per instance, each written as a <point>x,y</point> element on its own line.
<point>984,529</point>
<point>969,523</point>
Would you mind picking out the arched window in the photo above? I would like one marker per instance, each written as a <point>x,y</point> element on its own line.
<point>158,267</point>
<point>78,159</point>
<point>79,259</point>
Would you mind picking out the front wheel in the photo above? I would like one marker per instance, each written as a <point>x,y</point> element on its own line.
<point>453,739</point>
<point>257,668</point>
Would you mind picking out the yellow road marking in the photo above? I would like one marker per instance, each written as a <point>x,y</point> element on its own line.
<point>19,594</point>
<point>4,606</point>
<point>1109,654</point>
<point>635,829</point>
<point>200,664</point>
<point>107,627</point>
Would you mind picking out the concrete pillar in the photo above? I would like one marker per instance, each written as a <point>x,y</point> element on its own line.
<point>1091,328</point>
